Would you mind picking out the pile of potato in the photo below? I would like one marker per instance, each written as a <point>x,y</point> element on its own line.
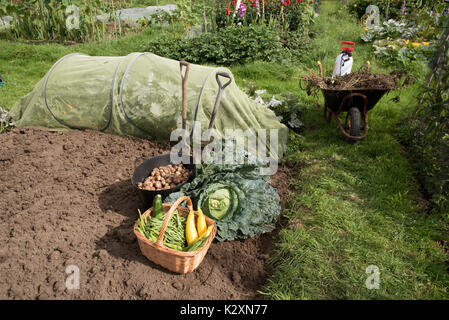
<point>164,178</point>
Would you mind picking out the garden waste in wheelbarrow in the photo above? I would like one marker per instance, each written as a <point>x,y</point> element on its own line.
<point>355,93</point>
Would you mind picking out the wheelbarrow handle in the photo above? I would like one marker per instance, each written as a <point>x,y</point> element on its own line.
<point>184,77</point>
<point>321,68</point>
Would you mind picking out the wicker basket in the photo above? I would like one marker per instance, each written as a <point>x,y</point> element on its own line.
<point>173,260</point>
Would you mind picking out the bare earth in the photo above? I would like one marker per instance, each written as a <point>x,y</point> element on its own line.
<point>66,199</point>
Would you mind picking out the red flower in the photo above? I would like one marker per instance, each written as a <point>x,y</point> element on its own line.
<point>228,11</point>
<point>299,1</point>
<point>233,2</point>
<point>288,1</point>
<point>311,1</point>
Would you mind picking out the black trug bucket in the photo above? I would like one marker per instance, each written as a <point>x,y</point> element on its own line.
<point>144,170</point>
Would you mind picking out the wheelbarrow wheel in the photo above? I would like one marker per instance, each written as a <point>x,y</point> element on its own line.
<point>353,121</point>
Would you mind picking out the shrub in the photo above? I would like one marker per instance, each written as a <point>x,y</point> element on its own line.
<point>231,45</point>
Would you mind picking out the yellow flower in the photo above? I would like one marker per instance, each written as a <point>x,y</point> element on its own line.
<point>355,4</point>
<point>365,28</point>
<point>416,44</point>
<point>425,43</point>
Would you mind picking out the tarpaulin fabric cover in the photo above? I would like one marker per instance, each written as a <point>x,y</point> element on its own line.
<point>138,95</point>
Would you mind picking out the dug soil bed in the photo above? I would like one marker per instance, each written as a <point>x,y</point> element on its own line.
<point>66,199</point>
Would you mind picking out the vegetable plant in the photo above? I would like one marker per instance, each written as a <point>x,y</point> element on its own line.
<point>46,20</point>
<point>232,45</point>
<point>235,196</point>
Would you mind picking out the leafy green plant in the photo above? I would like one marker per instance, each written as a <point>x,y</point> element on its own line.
<point>5,122</point>
<point>404,42</point>
<point>427,135</point>
<point>402,52</point>
<point>232,45</point>
<point>46,20</point>
<point>390,29</point>
<point>190,13</point>
<point>289,15</point>
<point>236,196</point>
<point>389,8</point>
<point>289,112</point>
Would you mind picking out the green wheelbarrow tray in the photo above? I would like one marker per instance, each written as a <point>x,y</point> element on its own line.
<point>351,100</point>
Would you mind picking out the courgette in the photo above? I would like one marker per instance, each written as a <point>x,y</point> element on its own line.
<point>201,241</point>
<point>191,233</point>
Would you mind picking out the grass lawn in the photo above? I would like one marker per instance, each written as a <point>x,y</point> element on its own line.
<point>353,205</point>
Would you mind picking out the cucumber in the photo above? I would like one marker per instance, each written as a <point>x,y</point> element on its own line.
<point>157,206</point>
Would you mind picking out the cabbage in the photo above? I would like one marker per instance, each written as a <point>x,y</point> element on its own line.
<point>236,197</point>
<point>219,201</point>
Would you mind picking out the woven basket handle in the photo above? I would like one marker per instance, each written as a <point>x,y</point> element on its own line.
<point>169,214</point>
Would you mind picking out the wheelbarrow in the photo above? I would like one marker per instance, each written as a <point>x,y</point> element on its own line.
<point>356,102</point>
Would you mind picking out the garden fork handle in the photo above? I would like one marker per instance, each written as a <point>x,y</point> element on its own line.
<point>184,90</point>
<point>220,92</point>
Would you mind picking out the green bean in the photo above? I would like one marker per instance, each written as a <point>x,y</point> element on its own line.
<point>174,236</point>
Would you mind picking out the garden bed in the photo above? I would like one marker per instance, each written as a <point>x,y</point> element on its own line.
<point>66,199</point>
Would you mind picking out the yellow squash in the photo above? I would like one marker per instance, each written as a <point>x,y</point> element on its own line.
<point>191,233</point>
<point>201,224</point>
